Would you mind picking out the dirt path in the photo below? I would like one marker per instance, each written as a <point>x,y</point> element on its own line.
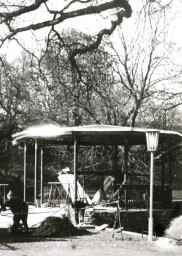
<point>94,244</point>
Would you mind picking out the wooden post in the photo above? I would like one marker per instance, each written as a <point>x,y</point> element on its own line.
<point>25,171</point>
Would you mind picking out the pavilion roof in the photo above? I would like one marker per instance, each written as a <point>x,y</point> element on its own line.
<point>92,134</point>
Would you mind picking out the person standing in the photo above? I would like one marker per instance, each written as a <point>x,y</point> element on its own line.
<point>79,207</point>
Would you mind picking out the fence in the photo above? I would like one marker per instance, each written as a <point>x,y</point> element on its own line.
<point>137,196</point>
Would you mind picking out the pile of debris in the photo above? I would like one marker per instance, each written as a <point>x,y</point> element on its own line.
<point>57,227</point>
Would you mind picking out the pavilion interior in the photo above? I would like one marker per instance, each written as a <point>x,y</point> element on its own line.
<point>108,163</point>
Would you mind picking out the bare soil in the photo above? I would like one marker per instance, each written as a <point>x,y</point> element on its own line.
<point>93,243</point>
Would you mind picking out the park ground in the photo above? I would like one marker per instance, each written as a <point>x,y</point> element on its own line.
<point>95,243</point>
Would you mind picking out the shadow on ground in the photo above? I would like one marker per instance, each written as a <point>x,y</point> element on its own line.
<point>22,237</point>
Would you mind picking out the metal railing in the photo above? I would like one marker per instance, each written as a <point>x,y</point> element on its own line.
<point>137,196</point>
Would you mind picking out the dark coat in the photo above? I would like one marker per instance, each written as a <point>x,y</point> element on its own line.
<point>17,205</point>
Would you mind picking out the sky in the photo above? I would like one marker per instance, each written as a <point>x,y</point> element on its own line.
<point>92,24</point>
<point>89,23</point>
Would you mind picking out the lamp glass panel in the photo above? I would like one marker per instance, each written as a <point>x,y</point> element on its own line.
<point>152,140</point>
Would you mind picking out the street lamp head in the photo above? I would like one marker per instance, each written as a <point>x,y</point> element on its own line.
<point>152,137</point>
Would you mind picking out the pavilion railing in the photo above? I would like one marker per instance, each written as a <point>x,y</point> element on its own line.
<point>137,196</point>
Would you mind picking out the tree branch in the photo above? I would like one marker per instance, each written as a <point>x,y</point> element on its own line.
<point>9,15</point>
<point>66,15</point>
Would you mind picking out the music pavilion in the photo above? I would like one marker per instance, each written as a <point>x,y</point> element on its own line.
<point>105,135</point>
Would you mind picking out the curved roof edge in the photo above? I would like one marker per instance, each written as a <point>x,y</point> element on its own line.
<point>50,131</point>
<point>42,131</point>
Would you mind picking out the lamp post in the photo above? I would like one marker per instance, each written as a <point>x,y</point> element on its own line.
<point>152,137</point>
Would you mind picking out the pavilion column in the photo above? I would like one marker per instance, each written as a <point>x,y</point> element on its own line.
<point>169,188</point>
<point>75,168</point>
<point>163,169</point>
<point>115,168</point>
<point>35,173</point>
<point>170,168</point>
<point>42,174</point>
<point>125,173</point>
<point>25,171</point>
<point>125,162</point>
<point>75,178</point>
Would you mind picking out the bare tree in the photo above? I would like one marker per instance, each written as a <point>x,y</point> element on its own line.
<point>66,98</point>
<point>142,61</point>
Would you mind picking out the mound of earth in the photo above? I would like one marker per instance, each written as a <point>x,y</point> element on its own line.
<point>174,230</point>
<point>57,227</point>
